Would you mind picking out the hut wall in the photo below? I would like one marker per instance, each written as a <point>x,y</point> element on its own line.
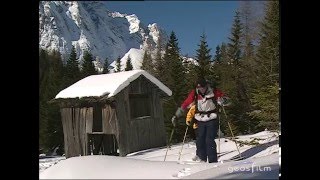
<point>139,133</point>
<point>74,123</point>
<point>122,115</point>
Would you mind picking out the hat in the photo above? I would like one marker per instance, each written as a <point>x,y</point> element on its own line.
<point>201,82</point>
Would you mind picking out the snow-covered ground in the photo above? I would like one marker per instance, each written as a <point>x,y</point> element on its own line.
<point>261,161</point>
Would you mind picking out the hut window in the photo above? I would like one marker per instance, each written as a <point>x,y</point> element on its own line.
<point>97,118</point>
<point>139,105</point>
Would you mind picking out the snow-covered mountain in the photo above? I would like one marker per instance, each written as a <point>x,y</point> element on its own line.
<point>91,26</point>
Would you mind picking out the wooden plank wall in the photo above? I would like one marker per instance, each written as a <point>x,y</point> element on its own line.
<point>110,128</point>
<point>146,132</point>
<point>65,115</point>
<point>74,129</point>
<point>160,139</point>
<point>122,116</point>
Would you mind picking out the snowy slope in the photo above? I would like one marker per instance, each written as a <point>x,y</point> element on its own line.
<point>89,25</point>
<point>136,56</point>
<point>149,164</point>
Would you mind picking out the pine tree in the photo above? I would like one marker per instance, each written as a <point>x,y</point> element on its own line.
<point>265,96</point>
<point>50,131</point>
<point>118,65</point>
<point>173,63</point>
<point>268,50</point>
<point>128,64</point>
<point>43,110</point>
<point>217,56</point>
<point>247,65</point>
<point>43,63</point>
<point>216,67</point>
<point>147,62</point>
<point>246,17</point>
<point>234,78</point>
<point>87,65</point>
<point>72,71</point>
<point>266,102</point>
<point>203,57</point>
<point>234,50</point>
<point>174,78</point>
<point>106,67</point>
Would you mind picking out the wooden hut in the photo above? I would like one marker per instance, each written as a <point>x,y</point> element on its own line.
<point>116,113</point>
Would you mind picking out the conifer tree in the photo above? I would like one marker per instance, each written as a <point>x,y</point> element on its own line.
<point>234,78</point>
<point>87,65</point>
<point>105,67</point>
<point>265,96</point>
<point>50,131</point>
<point>174,78</point>
<point>72,71</point>
<point>268,50</point>
<point>118,64</point>
<point>147,62</point>
<point>217,56</point>
<point>128,64</point>
<point>234,47</point>
<point>173,63</point>
<point>203,57</point>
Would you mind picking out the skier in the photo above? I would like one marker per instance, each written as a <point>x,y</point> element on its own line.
<point>206,101</point>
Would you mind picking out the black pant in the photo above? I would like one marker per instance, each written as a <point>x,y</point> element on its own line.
<point>206,146</point>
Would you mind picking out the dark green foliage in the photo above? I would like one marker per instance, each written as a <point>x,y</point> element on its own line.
<point>265,95</point>
<point>118,65</point>
<point>50,83</point>
<point>147,62</point>
<point>128,64</point>
<point>266,103</point>
<point>268,49</point>
<point>203,57</point>
<point>72,71</point>
<point>217,57</point>
<point>87,65</point>
<point>173,76</point>
<point>105,67</point>
<point>234,47</point>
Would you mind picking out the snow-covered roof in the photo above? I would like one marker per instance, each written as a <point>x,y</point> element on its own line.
<point>111,84</point>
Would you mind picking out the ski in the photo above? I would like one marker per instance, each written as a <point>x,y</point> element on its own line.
<point>190,162</point>
<point>232,159</point>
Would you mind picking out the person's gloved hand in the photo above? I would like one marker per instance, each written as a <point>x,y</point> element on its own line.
<point>220,101</point>
<point>179,112</point>
<point>174,121</point>
<point>188,123</point>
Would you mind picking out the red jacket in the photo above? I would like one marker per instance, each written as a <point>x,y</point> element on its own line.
<point>191,97</point>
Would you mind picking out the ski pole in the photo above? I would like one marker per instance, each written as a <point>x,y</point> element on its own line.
<point>183,142</point>
<point>168,144</point>
<point>231,131</point>
<point>219,135</point>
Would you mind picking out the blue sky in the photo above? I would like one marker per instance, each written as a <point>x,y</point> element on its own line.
<point>188,19</point>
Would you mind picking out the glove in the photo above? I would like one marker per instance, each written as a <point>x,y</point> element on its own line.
<point>188,123</point>
<point>179,112</point>
<point>220,101</point>
<point>174,121</point>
